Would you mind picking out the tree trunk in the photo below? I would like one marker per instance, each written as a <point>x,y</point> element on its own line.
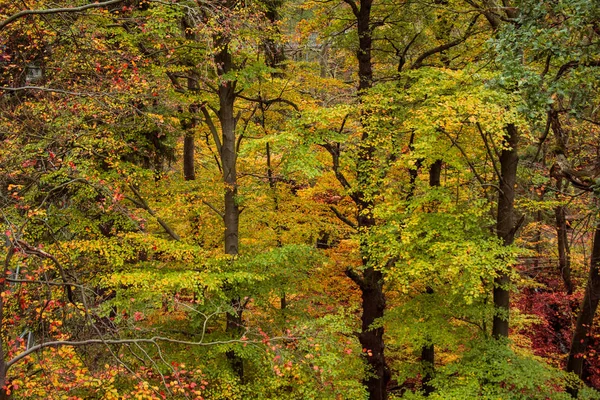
<point>564,256</point>
<point>505,228</point>
<point>274,52</point>
<point>188,157</point>
<point>585,319</point>
<point>371,282</point>
<point>564,252</point>
<point>231,216</point>
<point>189,173</point>
<point>3,395</point>
<point>365,41</point>
<point>3,368</point>
<point>428,360</point>
<point>428,350</point>
<point>435,174</point>
<point>228,161</point>
<point>235,325</point>
<point>371,339</point>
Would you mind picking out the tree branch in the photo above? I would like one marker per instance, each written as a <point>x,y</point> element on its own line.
<point>270,101</point>
<point>212,127</point>
<point>153,340</point>
<point>354,7</point>
<point>143,204</point>
<point>574,64</point>
<point>419,61</point>
<point>219,213</point>
<point>342,218</point>
<point>25,13</point>
<point>489,151</point>
<point>356,278</point>
<point>51,90</point>
<point>29,249</point>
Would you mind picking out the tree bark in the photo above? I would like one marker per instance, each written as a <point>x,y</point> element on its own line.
<point>428,360</point>
<point>274,53</point>
<point>3,367</point>
<point>585,319</point>
<point>3,382</point>
<point>505,228</point>
<point>231,216</point>
<point>189,173</point>
<point>428,350</point>
<point>371,281</point>
<point>564,252</point>
<point>435,174</point>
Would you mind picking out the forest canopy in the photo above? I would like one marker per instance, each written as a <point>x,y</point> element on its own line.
<point>300,199</point>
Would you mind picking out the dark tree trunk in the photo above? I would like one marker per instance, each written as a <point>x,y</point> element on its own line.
<point>371,281</point>
<point>189,173</point>
<point>585,319</point>
<point>365,41</point>
<point>505,228</point>
<point>428,360</point>
<point>538,238</point>
<point>435,173</point>
<point>188,157</point>
<point>371,339</point>
<point>228,161</point>
<point>3,367</point>
<point>564,252</point>
<point>564,256</point>
<point>428,350</point>
<point>231,216</point>
<point>3,394</point>
<point>235,326</point>
<point>274,55</point>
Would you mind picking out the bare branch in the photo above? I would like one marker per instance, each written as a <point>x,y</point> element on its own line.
<point>574,64</point>
<point>354,7</point>
<point>153,340</point>
<point>419,61</point>
<point>342,217</point>
<point>29,249</point>
<point>268,102</point>
<point>143,204</point>
<point>489,151</point>
<point>51,90</point>
<point>215,209</point>
<point>25,13</point>
<point>212,127</point>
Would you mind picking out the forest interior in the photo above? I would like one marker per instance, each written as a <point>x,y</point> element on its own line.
<point>300,199</point>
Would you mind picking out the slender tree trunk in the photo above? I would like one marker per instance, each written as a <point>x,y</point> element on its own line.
<point>538,238</point>
<point>435,174</point>
<point>564,256</point>
<point>585,319</point>
<point>231,216</point>
<point>228,160</point>
<point>273,187</point>
<point>3,368</point>
<point>505,228</point>
<point>428,350</point>
<point>428,360</point>
<point>3,395</point>
<point>274,54</point>
<point>189,173</point>
<point>564,252</point>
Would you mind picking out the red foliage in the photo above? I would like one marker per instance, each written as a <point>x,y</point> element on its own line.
<point>557,311</point>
